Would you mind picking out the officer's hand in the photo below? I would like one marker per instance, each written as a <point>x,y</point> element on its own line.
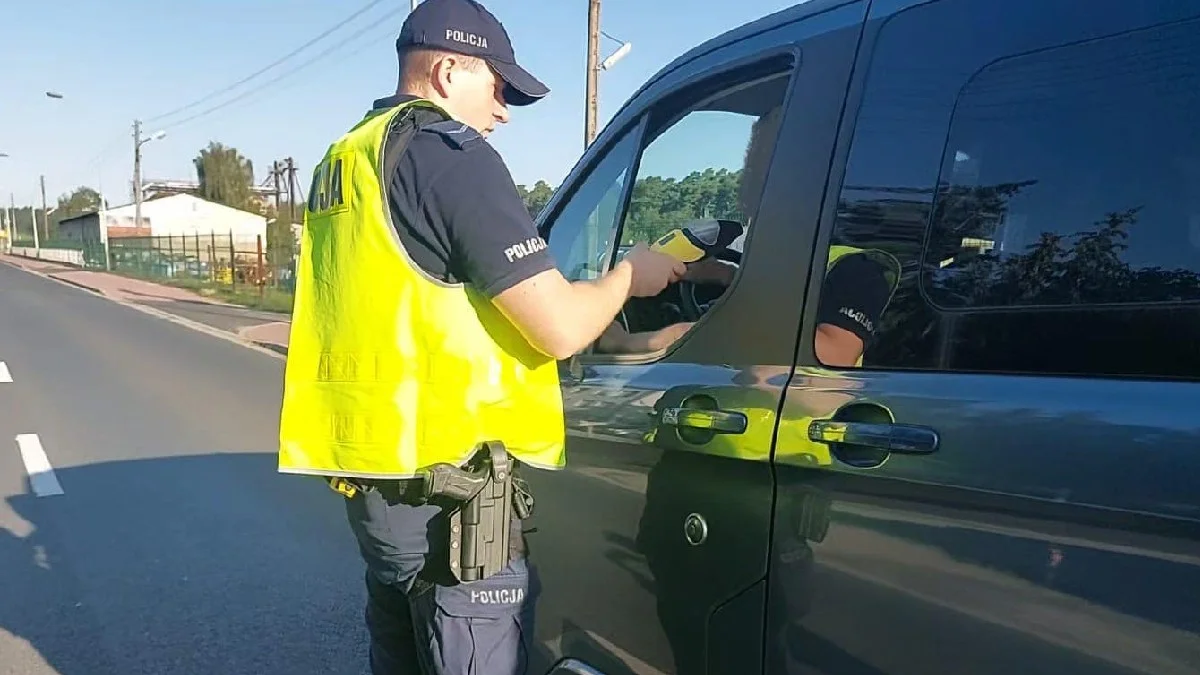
<point>652,271</point>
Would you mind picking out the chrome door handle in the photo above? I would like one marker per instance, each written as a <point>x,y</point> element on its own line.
<point>902,439</point>
<point>722,421</point>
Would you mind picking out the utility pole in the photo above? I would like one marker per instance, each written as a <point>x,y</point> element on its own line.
<point>37,246</point>
<point>275,175</point>
<point>291,169</point>
<point>593,72</point>
<point>137,174</point>
<point>12,217</point>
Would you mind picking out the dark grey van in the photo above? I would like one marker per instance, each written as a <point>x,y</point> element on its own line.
<point>1005,476</point>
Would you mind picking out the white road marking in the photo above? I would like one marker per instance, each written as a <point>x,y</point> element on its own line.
<point>37,465</point>
<point>5,376</point>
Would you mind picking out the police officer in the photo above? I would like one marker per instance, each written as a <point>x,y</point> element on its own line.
<point>427,321</point>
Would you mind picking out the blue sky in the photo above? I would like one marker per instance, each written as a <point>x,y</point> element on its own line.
<point>117,61</point>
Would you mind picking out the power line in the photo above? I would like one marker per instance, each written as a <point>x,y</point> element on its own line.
<point>616,40</point>
<point>112,145</point>
<point>278,61</point>
<point>281,76</point>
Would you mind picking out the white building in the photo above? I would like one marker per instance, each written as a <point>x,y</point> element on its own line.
<point>179,214</point>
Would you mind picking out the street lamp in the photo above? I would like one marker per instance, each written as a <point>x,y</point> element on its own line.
<point>621,52</point>
<point>138,142</point>
<point>37,246</point>
<point>12,217</point>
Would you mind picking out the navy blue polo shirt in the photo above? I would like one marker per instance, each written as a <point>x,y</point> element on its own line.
<point>457,212</point>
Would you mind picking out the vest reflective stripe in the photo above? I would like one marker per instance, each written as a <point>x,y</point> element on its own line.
<point>388,370</point>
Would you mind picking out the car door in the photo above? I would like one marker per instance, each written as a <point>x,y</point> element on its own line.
<point>1008,482</point>
<point>651,546</point>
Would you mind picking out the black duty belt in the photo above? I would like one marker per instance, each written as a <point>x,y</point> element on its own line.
<point>485,495</point>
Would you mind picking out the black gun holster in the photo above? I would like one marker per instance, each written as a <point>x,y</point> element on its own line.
<point>486,495</point>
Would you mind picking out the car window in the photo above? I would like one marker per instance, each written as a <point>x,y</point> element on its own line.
<point>582,231</point>
<point>691,171</point>
<point>704,158</point>
<point>1086,197</point>
<point>705,164</point>
<point>1040,207</point>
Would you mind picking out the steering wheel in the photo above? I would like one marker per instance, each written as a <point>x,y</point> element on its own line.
<point>696,299</point>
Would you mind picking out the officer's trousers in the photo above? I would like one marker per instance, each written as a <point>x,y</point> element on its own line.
<point>420,619</point>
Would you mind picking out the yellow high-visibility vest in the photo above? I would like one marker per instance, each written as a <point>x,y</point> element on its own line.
<point>389,370</point>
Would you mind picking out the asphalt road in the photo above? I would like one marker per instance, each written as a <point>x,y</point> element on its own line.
<point>174,546</point>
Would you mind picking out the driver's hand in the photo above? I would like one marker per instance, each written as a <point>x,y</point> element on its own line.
<point>710,271</point>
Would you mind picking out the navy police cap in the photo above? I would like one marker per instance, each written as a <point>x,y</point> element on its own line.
<point>467,27</point>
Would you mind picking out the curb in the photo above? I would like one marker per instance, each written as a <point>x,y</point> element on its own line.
<point>76,284</point>
<point>279,349</point>
<point>244,332</point>
<point>262,348</point>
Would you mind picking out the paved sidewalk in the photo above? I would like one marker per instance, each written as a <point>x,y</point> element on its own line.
<point>267,329</point>
<point>272,335</point>
<point>130,290</point>
<point>41,266</point>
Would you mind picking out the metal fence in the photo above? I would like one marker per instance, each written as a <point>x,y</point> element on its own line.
<point>214,257</point>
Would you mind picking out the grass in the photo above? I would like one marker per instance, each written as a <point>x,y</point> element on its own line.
<point>269,300</point>
<point>266,299</point>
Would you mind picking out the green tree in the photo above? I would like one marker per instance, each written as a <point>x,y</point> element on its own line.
<point>281,239</point>
<point>536,198</point>
<point>539,196</point>
<point>225,176</point>
<point>79,201</point>
<point>661,204</point>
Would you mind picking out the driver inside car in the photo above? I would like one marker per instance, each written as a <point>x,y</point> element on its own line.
<point>853,296</point>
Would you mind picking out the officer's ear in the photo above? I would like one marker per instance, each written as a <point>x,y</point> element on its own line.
<point>441,74</point>
<point>448,69</point>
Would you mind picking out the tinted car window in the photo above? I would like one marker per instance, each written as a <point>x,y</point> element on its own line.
<point>1072,177</point>
<point>1040,193</point>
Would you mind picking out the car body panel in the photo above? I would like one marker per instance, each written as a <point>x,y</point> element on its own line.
<point>1057,526</point>
<point>1054,529</point>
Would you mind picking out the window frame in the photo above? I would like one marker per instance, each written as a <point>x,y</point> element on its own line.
<point>633,132</point>
<point>657,117</point>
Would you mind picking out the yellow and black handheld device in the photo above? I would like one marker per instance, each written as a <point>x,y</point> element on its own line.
<point>698,239</point>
